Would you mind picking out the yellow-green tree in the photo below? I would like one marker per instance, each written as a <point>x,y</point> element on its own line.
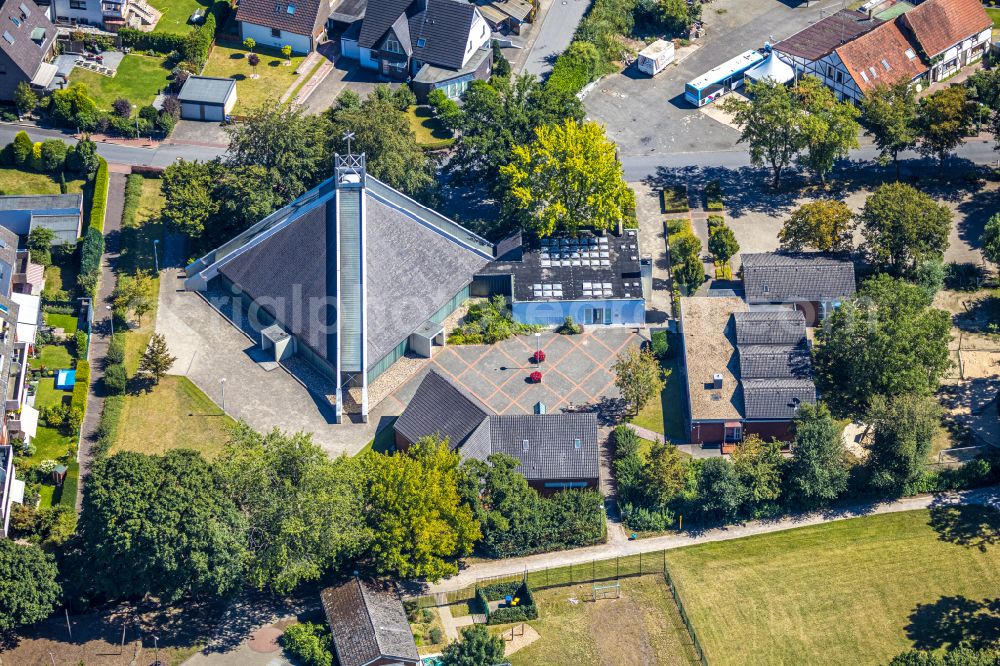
<point>568,178</point>
<point>824,225</point>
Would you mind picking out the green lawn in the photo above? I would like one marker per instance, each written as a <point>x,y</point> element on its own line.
<point>175,414</point>
<point>229,60</point>
<point>852,592</point>
<point>18,181</point>
<point>46,393</point>
<point>666,415</point>
<point>61,276</point>
<point>640,627</point>
<point>64,321</point>
<point>50,444</point>
<point>176,14</point>
<point>53,357</point>
<point>430,132</point>
<point>138,80</point>
<point>995,15</point>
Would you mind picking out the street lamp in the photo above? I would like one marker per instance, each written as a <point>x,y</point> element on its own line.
<point>111,318</point>
<point>223,382</point>
<point>134,110</point>
<point>538,347</point>
<point>156,255</point>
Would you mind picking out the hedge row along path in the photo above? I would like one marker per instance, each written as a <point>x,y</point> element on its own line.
<point>100,336</point>
<point>470,575</point>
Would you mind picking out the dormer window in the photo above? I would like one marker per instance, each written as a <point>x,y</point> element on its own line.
<point>291,9</point>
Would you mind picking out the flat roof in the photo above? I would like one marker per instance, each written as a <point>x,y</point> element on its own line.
<point>710,349</point>
<point>207,90</point>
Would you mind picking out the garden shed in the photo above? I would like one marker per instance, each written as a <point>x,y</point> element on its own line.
<point>207,98</point>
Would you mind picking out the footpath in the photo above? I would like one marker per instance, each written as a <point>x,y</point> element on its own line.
<point>100,336</point>
<point>610,550</point>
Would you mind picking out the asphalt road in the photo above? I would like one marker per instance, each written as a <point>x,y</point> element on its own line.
<point>554,34</point>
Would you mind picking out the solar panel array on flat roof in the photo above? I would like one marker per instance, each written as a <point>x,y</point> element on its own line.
<point>586,251</point>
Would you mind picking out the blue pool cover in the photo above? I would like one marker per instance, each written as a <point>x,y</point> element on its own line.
<point>65,379</point>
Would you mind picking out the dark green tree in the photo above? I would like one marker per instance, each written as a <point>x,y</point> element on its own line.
<point>889,116</point>
<point>665,474</point>
<point>30,591</point>
<point>943,121</point>
<point>156,360</point>
<point>478,647</point>
<point>990,240</point>
<point>817,473</point>
<point>23,147</point>
<point>770,125</point>
<point>722,243</point>
<point>887,341</point>
<point>903,227</point>
<point>25,98</point>
<point>759,465</point>
<point>83,159</point>
<point>721,493</point>
<point>506,507</point>
<point>304,511</point>
<point>160,526</point>
<point>40,245</point>
<point>190,206</point>
<point>903,431</point>
<point>829,127</point>
<point>501,68</point>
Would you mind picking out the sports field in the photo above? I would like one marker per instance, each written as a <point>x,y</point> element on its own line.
<point>851,592</point>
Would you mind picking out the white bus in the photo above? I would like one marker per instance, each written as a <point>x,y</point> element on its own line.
<point>720,80</point>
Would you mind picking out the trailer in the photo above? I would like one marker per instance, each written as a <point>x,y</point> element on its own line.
<point>654,58</point>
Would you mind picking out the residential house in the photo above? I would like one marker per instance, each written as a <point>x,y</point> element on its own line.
<point>300,24</point>
<point>25,47</point>
<point>744,372</point>
<point>11,489</point>
<point>810,50</point>
<point>813,283</point>
<point>62,213</point>
<point>556,451</point>
<point>368,624</point>
<point>595,279</point>
<point>883,56</point>
<point>949,34</point>
<point>20,420</point>
<point>433,44</point>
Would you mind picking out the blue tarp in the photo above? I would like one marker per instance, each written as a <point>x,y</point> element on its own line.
<point>65,380</point>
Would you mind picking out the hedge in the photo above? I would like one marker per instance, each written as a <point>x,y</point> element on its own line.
<point>100,203</point>
<point>107,428</point>
<point>133,193</point>
<point>198,42</point>
<point>90,261</point>
<point>67,496</point>
<point>524,611</point>
<point>674,199</point>
<point>151,41</point>
<point>82,387</point>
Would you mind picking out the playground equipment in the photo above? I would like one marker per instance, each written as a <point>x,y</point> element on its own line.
<point>611,591</point>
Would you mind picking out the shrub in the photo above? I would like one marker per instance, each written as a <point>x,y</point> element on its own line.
<point>660,344</point>
<point>22,147</point>
<point>115,379</point>
<point>100,203</point>
<point>435,635</point>
<point>536,377</point>
<point>674,199</point>
<point>580,64</point>
<point>133,193</point>
<point>488,323</point>
<point>198,42</point>
<point>90,261</point>
<point>116,350</point>
<point>715,221</point>
<point>53,155</point>
<point>569,327</point>
<point>308,644</point>
<point>538,356</point>
<point>151,41</point>
<point>81,345</point>
<point>122,107</point>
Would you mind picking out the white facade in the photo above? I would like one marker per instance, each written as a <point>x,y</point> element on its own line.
<point>301,44</point>
<point>961,54</point>
<point>87,12</point>
<point>479,34</point>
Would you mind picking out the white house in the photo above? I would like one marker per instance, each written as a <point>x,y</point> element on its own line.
<point>300,24</point>
<point>949,34</point>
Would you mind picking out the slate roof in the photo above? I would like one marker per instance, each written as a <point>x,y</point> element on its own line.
<point>305,18</point>
<point>206,90</point>
<point>770,327</point>
<point>379,17</point>
<point>821,38</point>
<point>867,53</point>
<point>776,398</point>
<point>439,407</point>
<point>26,53</point>
<point>348,11</point>
<point>938,25</point>
<point>772,277</point>
<point>444,28</point>
<point>552,453</point>
<point>42,202</point>
<point>367,621</point>
<point>774,361</point>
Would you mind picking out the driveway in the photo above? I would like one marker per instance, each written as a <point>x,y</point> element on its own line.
<point>653,243</point>
<point>552,35</point>
<point>347,74</point>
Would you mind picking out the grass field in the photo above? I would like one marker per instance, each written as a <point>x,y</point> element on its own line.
<point>994,14</point>
<point>138,80</point>
<point>642,627</point>
<point>64,321</point>
<point>666,415</point>
<point>17,181</point>
<point>175,414</point>
<point>851,592</point>
<point>53,357</point>
<point>430,132</point>
<point>229,60</point>
<point>176,14</point>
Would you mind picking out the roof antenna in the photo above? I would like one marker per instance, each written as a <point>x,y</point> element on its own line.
<point>348,135</point>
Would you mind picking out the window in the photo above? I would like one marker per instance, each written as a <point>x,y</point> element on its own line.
<point>275,32</point>
<point>885,64</point>
<point>910,54</point>
<point>576,443</point>
<point>864,76</point>
<point>25,12</point>
<point>840,76</point>
<point>421,43</point>
<point>16,21</point>
<point>829,71</point>
<point>468,46</point>
<point>525,445</point>
<point>291,9</point>
<point>7,36</point>
<point>565,484</point>
<point>874,73</point>
<point>764,289</point>
<point>392,45</point>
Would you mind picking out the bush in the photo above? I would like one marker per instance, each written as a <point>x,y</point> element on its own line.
<point>660,344</point>
<point>100,203</point>
<point>115,379</point>
<point>151,41</point>
<point>436,636</point>
<point>569,327</point>
<point>81,341</point>
<point>22,147</point>
<point>133,193</point>
<point>580,64</point>
<point>122,107</point>
<point>524,611</point>
<point>53,155</point>
<point>308,644</point>
<point>116,350</point>
<point>489,323</point>
<point>715,221</point>
<point>198,42</point>
<point>90,261</point>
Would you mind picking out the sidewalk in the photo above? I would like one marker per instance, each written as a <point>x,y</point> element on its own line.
<point>470,575</point>
<point>101,334</point>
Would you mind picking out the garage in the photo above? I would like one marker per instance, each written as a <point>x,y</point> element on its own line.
<point>207,98</point>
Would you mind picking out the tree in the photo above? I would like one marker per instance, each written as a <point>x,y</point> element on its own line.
<point>83,159</point>
<point>501,68</point>
<point>887,342</point>
<point>40,245</point>
<point>903,227</point>
<point>160,525</point>
<point>25,98</point>
<point>943,121</point>
<point>829,127</point>
<point>889,116</point>
<point>722,243</point>
<point>122,107</point>
<point>304,511</point>
<point>665,474</point>
<point>758,465</point>
<point>23,147</point>
<point>990,239</point>
<point>505,506</point>
<point>134,293</point>
<point>903,432</point>
<point>187,188</point>
<point>823,225</point>
<point>478,647</point>
<point>568,178</point>
<point>53,155</point>
<point>156,360</point>
<point>769,124</point>
<point>383,133</point>
<point>249,43</point>
<point>817,473</point>
<point>417,520</point>
<point>30,590</point>
<point>673,15</point>
<point>720,490</point>
<point>253,60</point>
<point>638,376</point>
<point>984,87</point>
<point>73,106</point>
<point>286,51</point>
<point>930,277</point>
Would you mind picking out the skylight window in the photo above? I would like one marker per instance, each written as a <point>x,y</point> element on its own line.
<point>291,9</point>
<point>421,43</point>
<point>874,73</point>
<point>16,21</point>
<point>864,76</point>
<point>525,445</point>
<point>885,64</point>
<point>576,443</point>
<point>910,54</point>
<point>25,12</point>
<point>8,37</point>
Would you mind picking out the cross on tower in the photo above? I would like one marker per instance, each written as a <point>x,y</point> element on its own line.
<point>347,137</point>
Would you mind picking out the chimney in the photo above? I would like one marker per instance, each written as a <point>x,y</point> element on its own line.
<point>717,380</point>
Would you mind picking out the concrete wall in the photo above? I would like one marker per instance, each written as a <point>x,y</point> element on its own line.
<point>301,44</point>
<point>623,312</point>
<point>90,15</point>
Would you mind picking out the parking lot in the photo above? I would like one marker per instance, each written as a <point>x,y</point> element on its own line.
<point>645,116</point>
